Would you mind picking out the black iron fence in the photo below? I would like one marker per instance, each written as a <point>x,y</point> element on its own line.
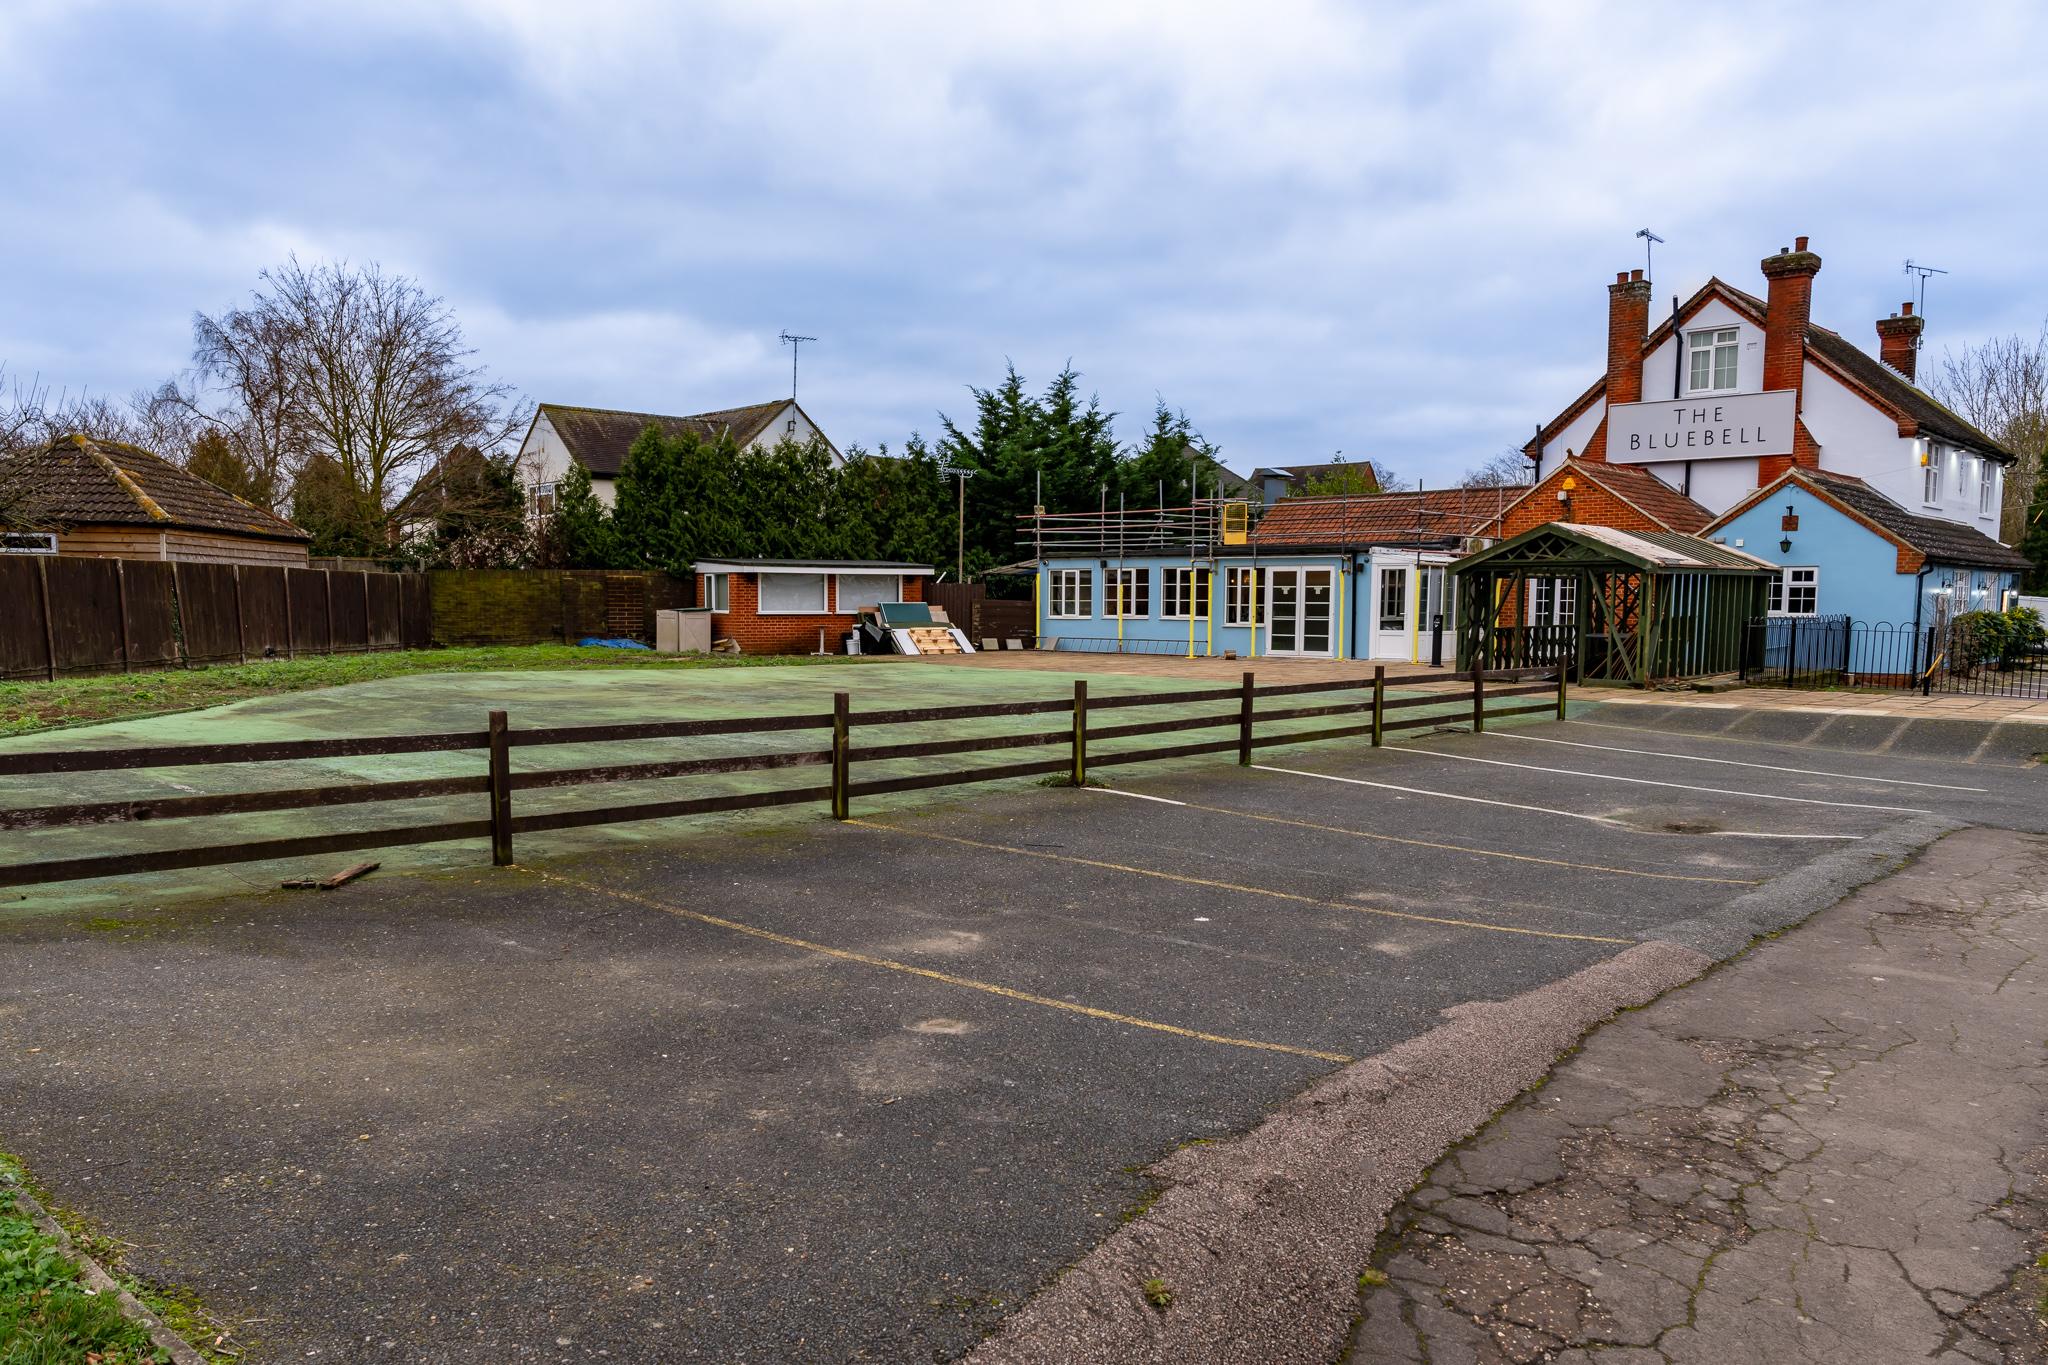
<point>1836,651</point>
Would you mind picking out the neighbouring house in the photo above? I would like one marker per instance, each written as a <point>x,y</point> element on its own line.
<point>599,438</point>
<point>1840,548</point>
<point>798,606</point>
<point>1730,391</point>
<point>1328,577</point>
<point>107,500</point>
<point>1275,482</point>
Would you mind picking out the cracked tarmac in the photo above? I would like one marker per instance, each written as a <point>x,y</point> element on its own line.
<point>1829,1150</point>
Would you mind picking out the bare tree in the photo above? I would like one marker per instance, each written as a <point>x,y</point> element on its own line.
<point>362,374</point>
<point>1509,469</point>
<point>2002,387</point>
<point>23,430</point>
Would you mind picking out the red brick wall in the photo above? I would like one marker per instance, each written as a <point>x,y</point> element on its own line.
<point>1591,505</point>
<point>758,634</point>
<point>1628,323</point>
<point>1787,311</point>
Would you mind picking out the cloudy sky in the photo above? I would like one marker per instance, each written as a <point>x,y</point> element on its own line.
<point>1380,229</point>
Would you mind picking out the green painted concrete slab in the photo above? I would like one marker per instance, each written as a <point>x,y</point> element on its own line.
<point>430,703</point>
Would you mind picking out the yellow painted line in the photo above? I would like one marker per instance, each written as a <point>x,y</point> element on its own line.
<point>945,978</point>
<point>1186,880</point>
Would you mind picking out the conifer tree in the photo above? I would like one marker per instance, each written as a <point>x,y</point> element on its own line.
<point>578,534</point>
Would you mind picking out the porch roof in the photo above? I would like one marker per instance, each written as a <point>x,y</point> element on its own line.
<point>1557,544</point>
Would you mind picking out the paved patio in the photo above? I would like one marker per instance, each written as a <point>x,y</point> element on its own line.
<point>1832,702</point>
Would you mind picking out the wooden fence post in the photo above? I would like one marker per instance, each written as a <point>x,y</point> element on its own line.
<point>366,611</point>
<point>1379,702</point>
<point>501,791</point>
<point>121,605</point>
<point>1244,724</point>
<point>842,746</point>
<point>1080,732</point>
<point>49,627</point>
<point>1563,673</point>
<point>1478,698</point>
<point>241,621</point>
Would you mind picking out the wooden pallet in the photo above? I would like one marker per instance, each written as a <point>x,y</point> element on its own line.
<point>932,639</point>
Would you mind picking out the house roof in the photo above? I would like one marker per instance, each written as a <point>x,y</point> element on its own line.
<point>1884,386</point>
<point>1639,487</point>
<point>1936,540</point>
<point>1441,514</point>
<point>600,437</point>
<point>1668,551</point>
<point>88,482</point>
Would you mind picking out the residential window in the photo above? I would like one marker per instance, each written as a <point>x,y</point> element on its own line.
<point>1183,594</point>
<point>1127,593</point>
<point>1795,592</point>
<point>1072,593</point>
<point>1711,358</point>
<point>792,594</point>
<point>718,591</point>
<point>544,498</point>
<point>1987,487</point>
<point>1930,477</point>
<point>1241,599</point>
<point>1393,599</point>
<point>857,590</point>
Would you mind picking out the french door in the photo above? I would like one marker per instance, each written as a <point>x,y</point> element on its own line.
<point>1298,615</point>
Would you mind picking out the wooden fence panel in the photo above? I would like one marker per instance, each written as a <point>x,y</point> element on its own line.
<point>24,639</point>
<point>349,602</point>
<point>383,599</point>
<point>152,613</point>
<point>415,611</point>
<point>206,608</point>
<point>266,621</point>
<point>307,590</point>
<point>85,614</point>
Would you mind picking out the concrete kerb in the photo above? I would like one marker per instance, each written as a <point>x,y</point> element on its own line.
<point>1256,1243</point>
<point>1792,896</point>
<point>2009,740</point>
<point>99,1281</point>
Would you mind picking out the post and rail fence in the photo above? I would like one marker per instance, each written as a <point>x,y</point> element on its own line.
<point>498,822</point>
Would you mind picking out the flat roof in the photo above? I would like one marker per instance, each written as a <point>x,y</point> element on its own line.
<point>812,566</point>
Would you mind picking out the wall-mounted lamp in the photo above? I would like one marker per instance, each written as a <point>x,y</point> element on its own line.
<point>1785,546</point>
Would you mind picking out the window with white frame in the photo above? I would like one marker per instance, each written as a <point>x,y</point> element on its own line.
<point>1930,477</point>
<point>544,498</point>
<point>1711,359</point>
<point>792,594</point>
<point>1795,592</point>
<point>1127,593</point>
<point>1070,593</point>
<point>1183,594</point>
<point>1393,599</point>
<point>1241,597</point>
<point>28,543</point>
<point>717,592</point>
<point>1987,487</point>
<point>857,590</point>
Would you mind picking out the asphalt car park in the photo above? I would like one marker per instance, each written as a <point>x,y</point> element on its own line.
<point>843,1091</point>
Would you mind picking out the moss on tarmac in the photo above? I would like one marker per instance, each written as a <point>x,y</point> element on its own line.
<point>430,703</point>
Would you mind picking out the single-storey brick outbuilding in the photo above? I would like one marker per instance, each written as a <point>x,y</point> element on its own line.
<point>779,606</point>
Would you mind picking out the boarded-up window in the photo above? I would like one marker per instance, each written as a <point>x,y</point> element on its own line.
<point>858,590</point>
<point>793,593</point>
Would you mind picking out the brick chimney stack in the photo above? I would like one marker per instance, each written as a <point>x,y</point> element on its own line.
<point>1898,339</point>
<point>1788,308</point>
<point>1628,323</point>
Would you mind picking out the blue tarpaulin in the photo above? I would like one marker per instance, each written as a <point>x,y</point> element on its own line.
<point>603,643</point>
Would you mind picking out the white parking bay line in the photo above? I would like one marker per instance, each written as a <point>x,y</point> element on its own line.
<point>1543,810</point>
<point>1135,796</point>
<point>1646,782</point>
<point>1731,762</point>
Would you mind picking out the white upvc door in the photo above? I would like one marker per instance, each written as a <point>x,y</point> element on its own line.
<point>1299,620</point>
<point>1393,607</point>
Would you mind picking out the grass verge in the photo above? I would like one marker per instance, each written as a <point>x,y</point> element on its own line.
<point>49,1316</point>
<point>27,707</point>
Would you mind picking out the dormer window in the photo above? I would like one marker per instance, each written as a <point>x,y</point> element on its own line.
<point>1710,359</point>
